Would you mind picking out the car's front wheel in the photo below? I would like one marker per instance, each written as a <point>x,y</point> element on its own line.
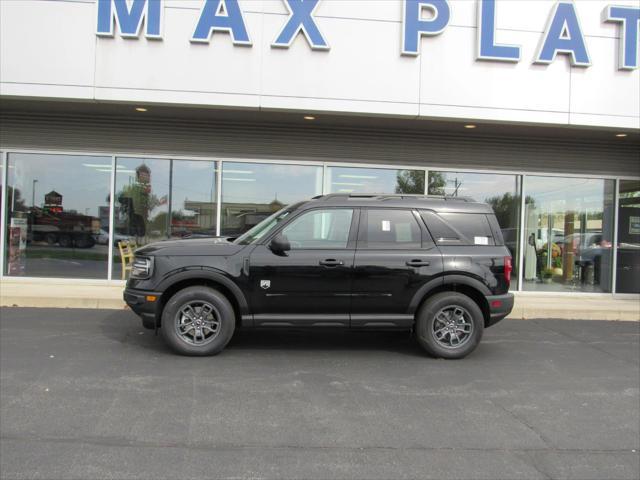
<point>449,325</point>
<point>198,320</point>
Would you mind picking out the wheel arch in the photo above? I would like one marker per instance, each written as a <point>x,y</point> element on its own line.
<point>208,278</point>
<point>468,286</point>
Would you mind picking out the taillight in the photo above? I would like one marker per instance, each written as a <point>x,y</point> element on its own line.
<point>508,268</point>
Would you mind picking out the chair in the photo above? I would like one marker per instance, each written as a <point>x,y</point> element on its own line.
<point>126,254</point>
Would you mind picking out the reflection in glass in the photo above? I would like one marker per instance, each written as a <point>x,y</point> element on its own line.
<point>157,199</point>
<point>569,225</point>
<point>193,199</point>
<point>57,215</point>
<point>251,192</point>
<point>374,180</point>
<point>502,192</point>
<point>628,263</point>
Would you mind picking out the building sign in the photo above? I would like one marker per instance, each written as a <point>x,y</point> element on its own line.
<point>562,35</point>
<point>53,198</point>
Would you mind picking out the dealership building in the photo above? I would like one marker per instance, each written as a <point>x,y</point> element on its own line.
<point>135,121</point>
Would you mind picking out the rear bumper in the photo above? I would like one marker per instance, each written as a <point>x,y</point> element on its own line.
<point>140,302</point>
<point>499,307</point>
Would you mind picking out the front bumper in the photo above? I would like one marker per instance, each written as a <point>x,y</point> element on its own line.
<point>499,307</point>
<point>140,302</point>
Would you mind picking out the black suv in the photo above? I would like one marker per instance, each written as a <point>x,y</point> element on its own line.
<point>434,265</point>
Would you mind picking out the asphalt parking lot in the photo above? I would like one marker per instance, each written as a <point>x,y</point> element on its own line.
<point>90,394</point>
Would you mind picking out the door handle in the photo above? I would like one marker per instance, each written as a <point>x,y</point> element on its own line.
<point>331,262</point>
<point>418,263</point>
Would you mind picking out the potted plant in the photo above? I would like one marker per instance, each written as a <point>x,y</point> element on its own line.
<point>547,275</point>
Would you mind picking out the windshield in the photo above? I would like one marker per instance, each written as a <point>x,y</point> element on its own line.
<point>265,226</point>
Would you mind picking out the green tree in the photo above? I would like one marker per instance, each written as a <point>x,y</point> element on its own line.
<point>410,181</point>
<point>437,182</point>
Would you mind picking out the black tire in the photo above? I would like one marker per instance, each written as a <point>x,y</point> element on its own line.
<point>446,302</point>
<point>85,241</point>
<point>65,241</point>
<point>51,238</point>
<point>222,313</point>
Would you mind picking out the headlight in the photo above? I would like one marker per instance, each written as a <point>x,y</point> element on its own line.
<point>142,267</point>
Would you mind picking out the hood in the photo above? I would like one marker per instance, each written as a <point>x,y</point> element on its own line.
<point>191,247</point>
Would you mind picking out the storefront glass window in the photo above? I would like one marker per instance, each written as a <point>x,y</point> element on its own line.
<point>374,180</point>
<point>569,230</point>
<point>57,216</point>
<point>157,199</point>
<point>502,192</point>
<point>252,191</point>
<point>628,263</point>
<point>193,199</point>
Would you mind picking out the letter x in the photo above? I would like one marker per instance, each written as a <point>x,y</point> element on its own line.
<point>301,19</point>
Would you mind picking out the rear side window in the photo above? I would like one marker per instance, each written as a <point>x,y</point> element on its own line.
<point>459,228</point>
<point>390,229</point>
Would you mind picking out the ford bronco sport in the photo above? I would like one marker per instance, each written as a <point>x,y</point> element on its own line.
<point>436,266</point>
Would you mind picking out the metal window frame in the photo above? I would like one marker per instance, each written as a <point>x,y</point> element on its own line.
<point>112,194</point>
<point>219,162</point>
<point>4,181</point>
<point>614,250</point>
<point>521,233</point>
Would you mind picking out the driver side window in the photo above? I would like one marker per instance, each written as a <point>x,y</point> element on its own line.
<point>320,229</point>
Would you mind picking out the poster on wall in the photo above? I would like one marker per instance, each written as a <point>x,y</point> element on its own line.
<point>17,246</point>
<point>634,225</point>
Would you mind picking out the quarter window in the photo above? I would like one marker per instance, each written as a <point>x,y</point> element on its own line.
<point>320,229</point>
<point>391,229</point>
<point>459,228</point>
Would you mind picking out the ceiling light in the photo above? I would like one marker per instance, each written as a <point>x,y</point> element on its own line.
<point>141,109</point>
<point>621,135</point>
<point>367,177</point>
<point>309,117</point>
<point>470,126</point>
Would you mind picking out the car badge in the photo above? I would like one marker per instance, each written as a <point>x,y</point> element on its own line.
<point>264,284</point>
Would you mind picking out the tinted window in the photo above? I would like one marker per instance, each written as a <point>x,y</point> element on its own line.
<point>459,228</point>
<point>320,229</point>
<point>387,229</point>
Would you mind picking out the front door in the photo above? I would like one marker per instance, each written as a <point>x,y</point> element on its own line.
<point>394,259</point>
<point>309,285</point>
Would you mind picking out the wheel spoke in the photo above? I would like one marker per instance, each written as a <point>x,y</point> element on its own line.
<point>452,326</point>
<point>185,327</point>
<point>197,323</point>
<point>206,310</point>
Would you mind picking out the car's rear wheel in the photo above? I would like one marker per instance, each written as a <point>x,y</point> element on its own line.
<point>449,325</point>
<point>198,320</point>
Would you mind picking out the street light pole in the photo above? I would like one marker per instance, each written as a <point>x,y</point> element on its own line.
<point>33,192</point>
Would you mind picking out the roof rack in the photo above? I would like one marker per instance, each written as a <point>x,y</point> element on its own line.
<point>392,196</point>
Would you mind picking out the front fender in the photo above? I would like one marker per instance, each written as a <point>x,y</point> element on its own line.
<point>205,273</point>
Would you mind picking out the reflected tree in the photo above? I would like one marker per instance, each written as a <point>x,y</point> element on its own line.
<point>437,182</point>
<point>410,182</point>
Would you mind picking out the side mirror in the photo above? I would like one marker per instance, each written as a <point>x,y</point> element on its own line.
<point>280,244</point>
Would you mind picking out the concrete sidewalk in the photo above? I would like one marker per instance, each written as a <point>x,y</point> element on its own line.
<point>65,294</point>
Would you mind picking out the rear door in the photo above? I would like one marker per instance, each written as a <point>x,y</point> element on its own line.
<point>395,257</point>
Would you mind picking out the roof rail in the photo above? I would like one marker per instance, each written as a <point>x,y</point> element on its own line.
<point>391,196</point>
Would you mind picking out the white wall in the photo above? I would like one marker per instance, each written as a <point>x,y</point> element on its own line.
<point>49,49</point>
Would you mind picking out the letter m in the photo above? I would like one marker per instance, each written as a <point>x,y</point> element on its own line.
<point>128,16</point>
